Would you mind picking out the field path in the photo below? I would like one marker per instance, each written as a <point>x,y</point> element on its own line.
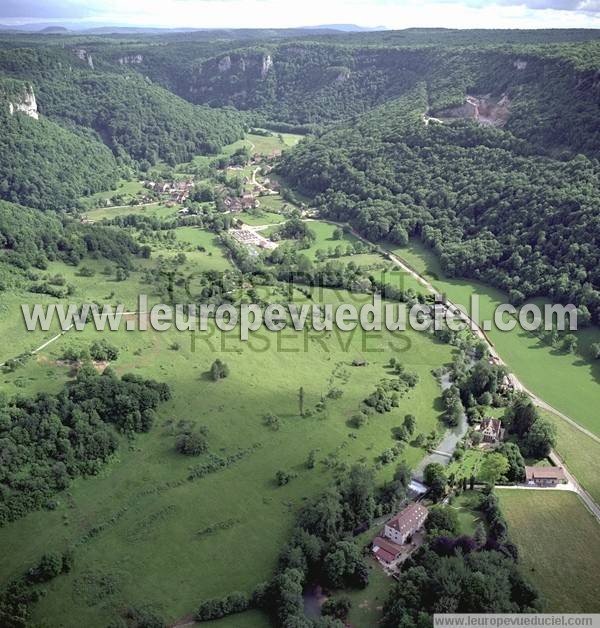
<point>62,333</point>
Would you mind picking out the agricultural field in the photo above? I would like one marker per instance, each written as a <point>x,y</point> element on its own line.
<point>142,530</point>
<point>580,453</point>
<point>154,210</point>
<point>559,546</point>
<point>569,382</point>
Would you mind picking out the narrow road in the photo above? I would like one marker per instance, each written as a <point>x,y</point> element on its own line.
<point>587,499</point>
<point>491,347</point>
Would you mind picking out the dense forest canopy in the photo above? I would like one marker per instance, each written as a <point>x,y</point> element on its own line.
<point>92,123</point>
<point>482,199</point>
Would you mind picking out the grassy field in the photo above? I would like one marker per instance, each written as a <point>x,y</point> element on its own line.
<point>212,257</point>
<point>125,188</point>
<point>466,505</point>
<point>367,605</point>
<point>265,145</point>
<point>146,512</point>
<point>324,237</point>
<point>580,453</point>
<point>559,546</point>
<point>154,210</point>
<point>570,382</point>
<point>261,218</point>
<point>102,287</point>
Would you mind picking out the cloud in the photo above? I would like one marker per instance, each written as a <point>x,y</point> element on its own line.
<point>70,9</point>
<point>276,13</point>
<point>583,6</point>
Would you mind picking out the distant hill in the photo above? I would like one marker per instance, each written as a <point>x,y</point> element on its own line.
<point>347,28</point>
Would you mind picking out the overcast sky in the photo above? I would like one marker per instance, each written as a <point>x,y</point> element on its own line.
<point>290,13</point>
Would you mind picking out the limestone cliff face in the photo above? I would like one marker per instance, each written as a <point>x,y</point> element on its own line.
<point>134,59</point>
<point>251,63</point>
<point>224,64</point>
<point>267,64</point>
<point>24,103</point>
<point>84,55</point>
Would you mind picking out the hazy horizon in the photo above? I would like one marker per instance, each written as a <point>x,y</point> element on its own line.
<point>235,14</point>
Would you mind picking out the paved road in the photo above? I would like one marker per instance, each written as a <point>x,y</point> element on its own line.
<point>587,499</point>
<point>491,347</point>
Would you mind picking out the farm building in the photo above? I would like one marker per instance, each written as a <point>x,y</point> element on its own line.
<point>546,477</point>
<point>386,551</point>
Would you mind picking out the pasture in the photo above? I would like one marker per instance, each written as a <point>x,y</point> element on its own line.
<point>559,546</point>
<point>138,529</point>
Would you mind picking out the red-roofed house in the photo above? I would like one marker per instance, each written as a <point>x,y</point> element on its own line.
<point>385,550</point>
<point>403,525</point>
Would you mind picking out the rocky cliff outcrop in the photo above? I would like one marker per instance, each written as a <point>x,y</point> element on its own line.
<point>134,59</point>
<point>24,103</point>
<point>84,55</point>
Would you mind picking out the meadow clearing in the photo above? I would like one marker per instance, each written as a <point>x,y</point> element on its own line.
<point>559,546</point>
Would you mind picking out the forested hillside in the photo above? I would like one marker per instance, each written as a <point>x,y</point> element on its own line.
<point>91,123</point>
<point>47,166</point>
<point>29,238</point>
<point>482,199</point>
<point>505,189</point>
<point>552,92</point>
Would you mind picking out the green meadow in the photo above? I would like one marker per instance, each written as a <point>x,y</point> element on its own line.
<point>567,381</point>
<point>138,529</point>
<point>559,546</point>
<point>580,453</point>
<point>153,210</point>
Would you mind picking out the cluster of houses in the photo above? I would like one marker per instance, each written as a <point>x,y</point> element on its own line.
<point>236,204</point>
<point>179,191</point>
<point>395,542</point>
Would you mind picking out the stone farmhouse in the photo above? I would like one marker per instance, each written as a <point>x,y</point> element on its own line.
<point>491,430</point>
